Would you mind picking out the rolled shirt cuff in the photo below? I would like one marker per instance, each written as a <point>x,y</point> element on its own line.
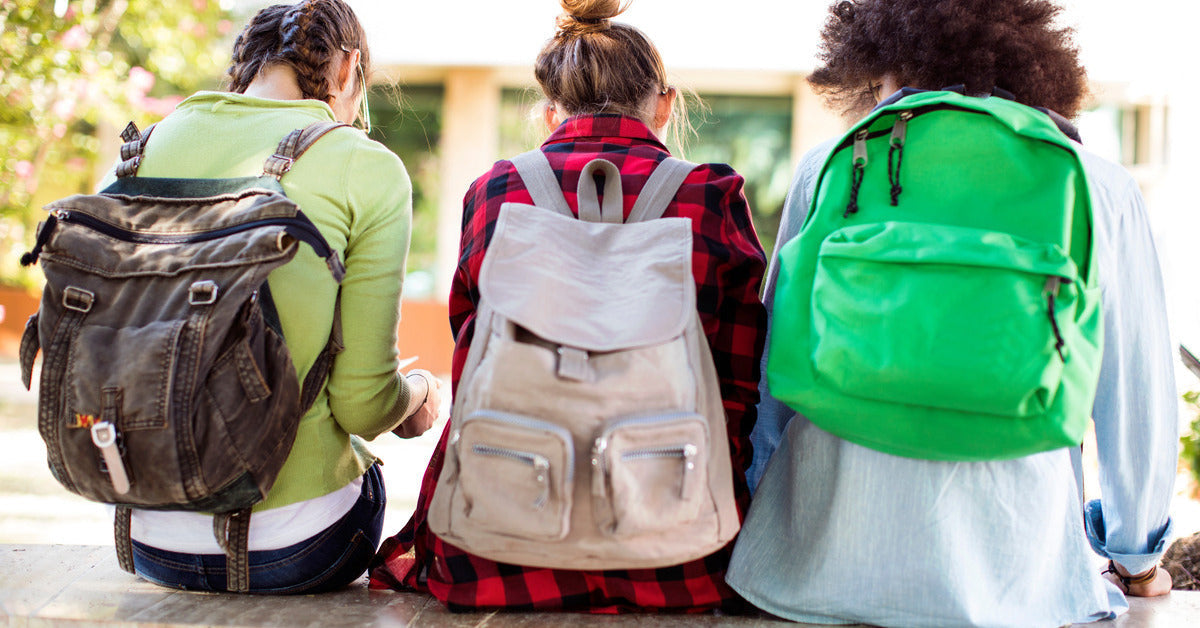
<point>1133,563</point>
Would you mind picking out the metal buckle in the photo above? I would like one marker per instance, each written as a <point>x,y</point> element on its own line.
<point>203,293</point>
<point>281,165</point>
<point>78,299</point>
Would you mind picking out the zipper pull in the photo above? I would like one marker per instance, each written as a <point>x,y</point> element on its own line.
<point>541,470</point>
<point>856,176</point>
<point>689,465</point>
<point>1050,292</point>
<point>896,149</point>
<point>104,436</point>
<point>30,258</point>
<point>599,469</point>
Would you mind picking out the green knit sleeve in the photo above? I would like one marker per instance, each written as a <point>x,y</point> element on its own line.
<point>367,394</point>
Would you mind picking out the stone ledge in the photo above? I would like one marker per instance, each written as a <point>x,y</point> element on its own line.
<point>65,585</point>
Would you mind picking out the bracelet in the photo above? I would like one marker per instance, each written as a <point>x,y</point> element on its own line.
<point>1131,580</point>
<point>428,385</point>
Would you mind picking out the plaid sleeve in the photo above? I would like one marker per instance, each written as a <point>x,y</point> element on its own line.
<point>729,264</point>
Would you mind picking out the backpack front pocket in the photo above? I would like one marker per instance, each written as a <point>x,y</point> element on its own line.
<point>942,316</point>
<point>650,473</point>
<point>515,475</point>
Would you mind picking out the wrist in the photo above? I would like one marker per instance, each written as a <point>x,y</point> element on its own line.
<point>418,393</point>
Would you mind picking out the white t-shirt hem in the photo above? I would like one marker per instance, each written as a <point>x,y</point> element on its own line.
<point>192,533</point>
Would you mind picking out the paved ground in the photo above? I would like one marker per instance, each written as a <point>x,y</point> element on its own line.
<point>60,585</point>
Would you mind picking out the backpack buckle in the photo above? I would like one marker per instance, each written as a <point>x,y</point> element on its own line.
<point>78,299</point>
<point>203,293</point>
<point>277,165</point>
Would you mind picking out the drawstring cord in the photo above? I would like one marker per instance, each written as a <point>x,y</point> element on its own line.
<point>856,175</point>
<point>896,150</point>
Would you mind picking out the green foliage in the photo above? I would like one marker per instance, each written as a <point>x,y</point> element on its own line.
<point>754,135</point>
<point>70,69</point>
<point>409,123</point>
<point>1190,441</point>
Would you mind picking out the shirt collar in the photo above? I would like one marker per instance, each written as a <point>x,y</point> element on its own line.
<point>604,126</point>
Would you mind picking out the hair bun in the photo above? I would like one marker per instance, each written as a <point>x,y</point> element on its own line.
<point>581,17</point>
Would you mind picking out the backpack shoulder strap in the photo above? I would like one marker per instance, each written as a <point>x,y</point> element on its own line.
<point>538,176</point>
<point>132,149</point>
<point>293,146</point>
<point>660,189</point>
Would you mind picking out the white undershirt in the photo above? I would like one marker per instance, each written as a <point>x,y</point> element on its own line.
<point>192,533</point>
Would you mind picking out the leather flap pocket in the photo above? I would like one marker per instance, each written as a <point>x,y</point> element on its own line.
<point>146,356</point>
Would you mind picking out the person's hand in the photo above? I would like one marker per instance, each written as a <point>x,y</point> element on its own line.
<point>1144,584</point>
<point>422,385</point>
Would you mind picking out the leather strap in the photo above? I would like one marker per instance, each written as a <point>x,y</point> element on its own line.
<point>124,542</point>
<point>590,209</point>
<point>314,381</point>
<point>132,149</point>
<point>232,530</point>
<point>294,144</point>
<point>538,176</point>
<point>660,189</point>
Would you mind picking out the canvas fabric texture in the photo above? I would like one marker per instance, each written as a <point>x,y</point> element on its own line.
<point>166,383</point>
<point>588,431</point>
<point>941,301</point>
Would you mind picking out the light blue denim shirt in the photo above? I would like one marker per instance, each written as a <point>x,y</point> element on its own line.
<point>838,533</point>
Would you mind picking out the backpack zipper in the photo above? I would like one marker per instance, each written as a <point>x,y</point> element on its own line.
<point>685,452</point>
<point>600,469</point>
<point>1050,291</point>
<point>298,227</point>
<point>540,464</point>
<point>896,146</point>
<point>517,420</point>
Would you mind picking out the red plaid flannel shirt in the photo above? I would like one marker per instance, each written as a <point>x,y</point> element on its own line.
<point>728,264</point>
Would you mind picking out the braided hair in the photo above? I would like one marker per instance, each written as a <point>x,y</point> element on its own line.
<point>306,36</point>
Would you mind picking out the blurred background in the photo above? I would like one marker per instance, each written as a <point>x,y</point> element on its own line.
<point>453,90</point>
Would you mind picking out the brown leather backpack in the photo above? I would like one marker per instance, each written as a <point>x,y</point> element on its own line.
<point>165,380</point>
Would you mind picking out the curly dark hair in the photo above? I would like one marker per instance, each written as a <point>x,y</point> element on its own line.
<point>931,44</point>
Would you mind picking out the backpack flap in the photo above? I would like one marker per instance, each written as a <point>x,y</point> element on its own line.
<point>571,300</point>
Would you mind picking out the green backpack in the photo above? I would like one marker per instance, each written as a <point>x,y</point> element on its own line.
<point>941,300</point>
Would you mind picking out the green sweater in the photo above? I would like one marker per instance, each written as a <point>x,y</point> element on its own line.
<point>360,197</point>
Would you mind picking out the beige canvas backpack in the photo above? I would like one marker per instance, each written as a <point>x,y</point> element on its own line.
<point>588,430</point>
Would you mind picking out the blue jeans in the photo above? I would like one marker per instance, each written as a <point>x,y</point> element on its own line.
<point>329,560</point>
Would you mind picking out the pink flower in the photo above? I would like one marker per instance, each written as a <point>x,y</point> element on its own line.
<point>140,79</point>
<point>24,169</point>
<point>199,5</point>
<point>224,26</point>
<point>75,38</point>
